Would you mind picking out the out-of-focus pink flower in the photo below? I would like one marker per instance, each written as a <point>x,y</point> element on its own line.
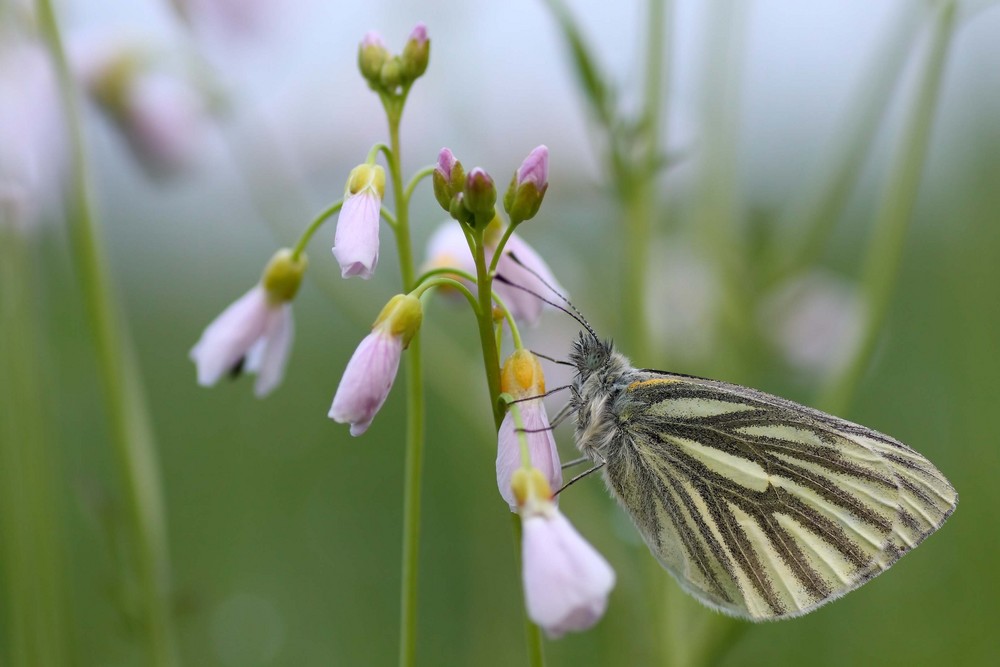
<point>521,265</point>
<point>255,332</point>
<point>522,378</point>
<point>33,147</point>
<point>518,266</point>
<point>162,116</point>
<point>232,18</point>
<point>164,122</point>
<point>566,581</point>
<point>356,242</point>
<point>372,369</point>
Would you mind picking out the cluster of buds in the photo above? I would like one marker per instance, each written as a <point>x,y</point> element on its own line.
<point>471,198</point>
<point>390,73</point>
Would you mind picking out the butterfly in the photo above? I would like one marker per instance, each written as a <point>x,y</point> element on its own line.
<point>761,508</point>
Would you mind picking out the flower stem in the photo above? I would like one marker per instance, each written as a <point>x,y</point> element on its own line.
<point>414,412</point>
<point>317,222</point>
<point>885,250</point>
<point>134,449</point>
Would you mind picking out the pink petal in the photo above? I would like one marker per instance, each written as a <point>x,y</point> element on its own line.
<point>541,447</point>
<point>272,352</point>
<point>356,241</point>
<point>566,581</point>
<point>230,336</point>
<point>366,381</point>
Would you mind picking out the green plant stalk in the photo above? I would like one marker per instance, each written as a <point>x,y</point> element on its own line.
<point>413,472</point>
<point>491,363</point>
<point>131,435</point>
<point>31,562</point>
<point>885,249</point>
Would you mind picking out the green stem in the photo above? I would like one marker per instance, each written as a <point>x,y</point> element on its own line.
<point>414,413</point>
<point>317,222</point>
<point>491,356</point>
<point>419,176</point>
<point>134,449</point>
<point>885,250</point>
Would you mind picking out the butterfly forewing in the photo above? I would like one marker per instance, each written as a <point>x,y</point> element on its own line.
<point>761,507</point>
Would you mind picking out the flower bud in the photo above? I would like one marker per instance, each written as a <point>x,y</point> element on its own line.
<point>416,53</point>
<point>391,75</point>
<point>283,275</point>
<point>372,54</point>
<point>445,173</point>
<point>480,196</point>
<point>527,188</point>
<point>401,317</point>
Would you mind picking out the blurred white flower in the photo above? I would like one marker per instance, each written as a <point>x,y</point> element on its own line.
<point>33,150</point>
<point>814,321</point>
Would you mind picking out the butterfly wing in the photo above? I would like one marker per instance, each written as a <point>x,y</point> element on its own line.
<point>763,508</point>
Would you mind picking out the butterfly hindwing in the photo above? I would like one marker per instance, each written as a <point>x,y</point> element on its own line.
<point>760,507</point>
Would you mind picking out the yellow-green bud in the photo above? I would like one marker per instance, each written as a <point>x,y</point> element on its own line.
<point>480,196</point>
<point>416,53</point>
<point>366,176</point>
<point>401,317</point>
<point>372,54</point>
<point>283,275</point>
<point>391,75</point>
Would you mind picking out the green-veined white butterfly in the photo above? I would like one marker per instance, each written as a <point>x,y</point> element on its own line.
<point>760,507</point>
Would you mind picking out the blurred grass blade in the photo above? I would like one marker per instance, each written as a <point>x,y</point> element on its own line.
<point>124,397</point>
<point>32,575</point>
<point>896,210</point>
<point>812,216</point>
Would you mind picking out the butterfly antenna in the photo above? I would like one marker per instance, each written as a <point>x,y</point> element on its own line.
<point>576,314</point>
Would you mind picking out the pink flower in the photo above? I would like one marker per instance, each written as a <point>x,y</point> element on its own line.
<point>448,247</point>
<point>521,266</point>
<point>253,334</point>
<point>522,377</point>
<point>372,369</point>
<point>356,243</point>
<point>566,581</point>
<point>164,121</point>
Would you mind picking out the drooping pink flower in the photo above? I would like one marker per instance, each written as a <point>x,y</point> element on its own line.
<point>372,369</point>
<point>566,581</point>
<point>522,378</point>
<point>255,332</point>
<point>252,334</point>
<point>356,241</point>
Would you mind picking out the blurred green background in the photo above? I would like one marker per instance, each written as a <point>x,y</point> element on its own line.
<point>285,531</point>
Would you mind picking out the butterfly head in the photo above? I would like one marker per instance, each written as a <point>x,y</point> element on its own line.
<point>590,354</point>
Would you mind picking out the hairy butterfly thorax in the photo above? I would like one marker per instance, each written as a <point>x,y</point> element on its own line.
<point>601,376</point>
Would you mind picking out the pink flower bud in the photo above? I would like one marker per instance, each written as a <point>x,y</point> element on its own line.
<point>535,168</point>
<point>527,188</point>
<point>356,241</point>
